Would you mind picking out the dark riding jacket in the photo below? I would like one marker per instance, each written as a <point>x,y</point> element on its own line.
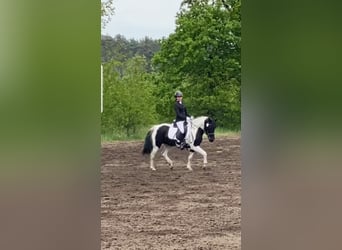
<point>181,112</point>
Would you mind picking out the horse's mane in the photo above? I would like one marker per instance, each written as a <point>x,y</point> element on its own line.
<point>199,119</point>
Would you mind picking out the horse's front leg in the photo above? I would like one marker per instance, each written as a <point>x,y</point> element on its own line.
<point>189,160</point>
<point>203,153</point>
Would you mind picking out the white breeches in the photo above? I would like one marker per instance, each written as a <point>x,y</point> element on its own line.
<point>180,125</point>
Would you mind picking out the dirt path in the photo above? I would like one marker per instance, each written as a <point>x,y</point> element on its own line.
<point>171,209</point>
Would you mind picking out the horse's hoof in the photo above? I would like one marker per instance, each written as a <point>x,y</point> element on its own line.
<point>153,169</point>
<point>190,169</point>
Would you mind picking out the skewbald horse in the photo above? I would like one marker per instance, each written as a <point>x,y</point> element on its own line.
<point>158,135</point>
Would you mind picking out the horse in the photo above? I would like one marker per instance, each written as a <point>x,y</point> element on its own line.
<point>158,135</point>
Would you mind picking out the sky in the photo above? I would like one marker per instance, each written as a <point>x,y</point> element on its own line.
<point>140,18</point>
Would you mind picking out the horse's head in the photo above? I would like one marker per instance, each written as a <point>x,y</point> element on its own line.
<point>209,128</point>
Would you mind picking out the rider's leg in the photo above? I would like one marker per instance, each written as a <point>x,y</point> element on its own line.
<point>180,135</point>
<point>179,139</point>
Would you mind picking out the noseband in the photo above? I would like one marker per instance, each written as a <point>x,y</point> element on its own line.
<point>208,134</point>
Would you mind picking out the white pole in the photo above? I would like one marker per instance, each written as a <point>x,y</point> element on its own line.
<point>101,88</point>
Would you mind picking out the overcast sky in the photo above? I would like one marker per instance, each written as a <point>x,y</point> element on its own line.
<point>139,18</point>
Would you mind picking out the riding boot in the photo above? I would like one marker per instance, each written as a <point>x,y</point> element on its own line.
<point>180,142</point>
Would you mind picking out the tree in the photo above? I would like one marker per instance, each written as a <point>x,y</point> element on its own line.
<point>119,48</point>
<point>128,97</point>
<point>116,48</point>
<point>107,10</point>
<point>202,58</point>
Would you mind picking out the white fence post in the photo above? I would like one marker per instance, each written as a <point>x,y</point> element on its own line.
<point>101,88</point>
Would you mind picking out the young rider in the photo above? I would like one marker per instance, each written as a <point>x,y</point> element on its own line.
<point>181,120</point>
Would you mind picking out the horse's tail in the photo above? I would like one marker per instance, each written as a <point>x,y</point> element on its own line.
<point>148,143</point>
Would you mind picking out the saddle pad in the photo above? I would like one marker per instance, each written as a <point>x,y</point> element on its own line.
<point>172,132</point>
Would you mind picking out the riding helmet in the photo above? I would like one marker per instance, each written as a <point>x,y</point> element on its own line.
<point>178,93</point>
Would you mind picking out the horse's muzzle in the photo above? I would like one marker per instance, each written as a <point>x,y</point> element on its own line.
<point>211,139</point>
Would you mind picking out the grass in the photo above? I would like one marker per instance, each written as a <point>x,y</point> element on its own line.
<point>121,136</point>
<point>221,132</point>
<point>141,133</point>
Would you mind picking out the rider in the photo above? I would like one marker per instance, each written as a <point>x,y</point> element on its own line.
<point>181,120</point>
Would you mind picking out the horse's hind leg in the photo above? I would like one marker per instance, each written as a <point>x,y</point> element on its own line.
<point>166,150</point>
<point>153,154</point>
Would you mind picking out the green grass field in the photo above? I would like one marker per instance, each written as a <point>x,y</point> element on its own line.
<point>220,132</point>
<point>141,133</point>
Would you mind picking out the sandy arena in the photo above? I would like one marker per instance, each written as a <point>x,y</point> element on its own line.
<point>171,209</point>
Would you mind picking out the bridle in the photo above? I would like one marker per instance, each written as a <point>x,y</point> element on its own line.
<point>205,129</point>
<point>210,134</point>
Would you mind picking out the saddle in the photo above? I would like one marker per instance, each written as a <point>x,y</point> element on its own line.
<point>173,131</point>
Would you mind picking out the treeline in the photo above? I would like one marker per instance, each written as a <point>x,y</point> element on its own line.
<point>121,49</point>
<point>201,58</point>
